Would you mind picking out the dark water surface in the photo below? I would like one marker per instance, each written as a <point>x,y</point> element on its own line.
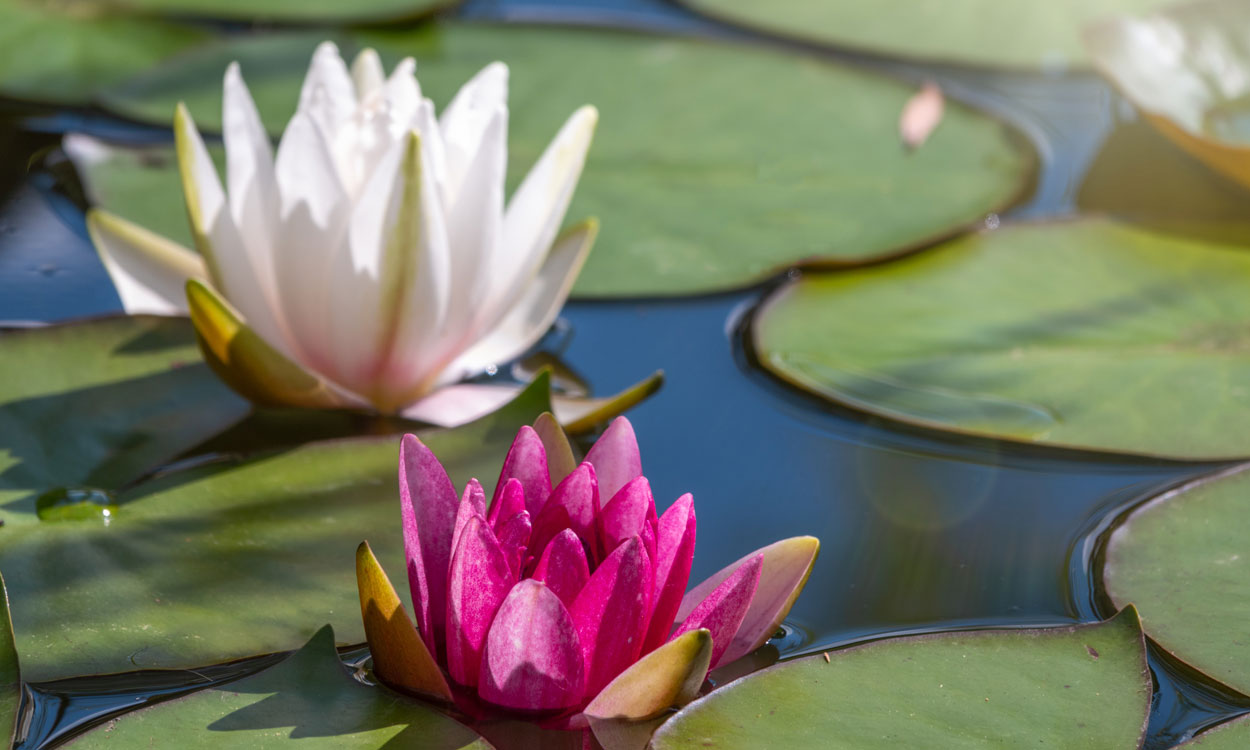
<point>920,531</point>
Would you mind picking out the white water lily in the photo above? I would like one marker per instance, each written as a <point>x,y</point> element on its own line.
<point>371,261</point>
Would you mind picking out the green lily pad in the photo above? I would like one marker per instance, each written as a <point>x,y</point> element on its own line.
<point>995,33</point>
<point>1082,686</point>
<point>298,11</point>
<point>94,405</point>
<point>207,565</point>
<point>10,677</point>
<point>1085,334</point>
<point>1183,559</point>
<point>308,697</point>
<point>714,164</point>
<point>1234,735</point>
<point>65,52</point>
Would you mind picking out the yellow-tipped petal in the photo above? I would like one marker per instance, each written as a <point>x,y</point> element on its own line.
<point>248,363</point>
<point>148,270</point>
<point>668,676</point>
<point>400,658</point>
<point>582,414</point>
<point>560,460</point>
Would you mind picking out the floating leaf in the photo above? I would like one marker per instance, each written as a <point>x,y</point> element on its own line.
<point>65,52</point>
<point>1085,334</point>
<point>90,406</point>
<point>1082,686</point>
<point>10,676</point>
<point>997,33</point>
<point>203,566</point>
<point>694,182</point>
<point>308,697</point>
<point>1184,559</point>
<point>1187,69</point>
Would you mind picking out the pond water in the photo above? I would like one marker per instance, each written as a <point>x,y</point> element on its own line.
<point>920,531</point>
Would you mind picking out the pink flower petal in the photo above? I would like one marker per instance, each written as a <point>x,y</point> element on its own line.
<point>479,580</point>
<point>675,536</point>
<point>511,501</point>
<point>630,512</point>
<point>428,506</point>
<point>533,661</point>
<point>573,504</point>
<point>787,564</point>
<point>611,613</point>
<point>722,611</point>
<point>563,567</point>
<point>472,503</point>
<point>514,536</point>
<point>615,457</point>
<point>526,461</point>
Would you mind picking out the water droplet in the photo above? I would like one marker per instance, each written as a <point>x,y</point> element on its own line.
<point>991,221</point>
<point>76,504</point>
<point>492,370</point>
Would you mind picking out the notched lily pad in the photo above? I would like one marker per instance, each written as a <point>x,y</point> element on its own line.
<point>1187,69</point>
<point>308,697</point>
<point>1084,334</point>
<point>995,33</point>
<point>1081,686</point>
<point>1184,559</point>
<point>10,675</point>
<point>693,181</point>
<point>225,561</point>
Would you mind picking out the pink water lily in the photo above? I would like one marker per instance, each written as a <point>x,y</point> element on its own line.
<point>565,596</point>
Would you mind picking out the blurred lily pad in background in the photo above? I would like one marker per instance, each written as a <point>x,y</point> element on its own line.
<point>1083,686</point>
<point>1184,559</point>
<point>715,165</point>
<point>1084,334</point>
<point>1187,69</point>
<point>65,52</point>
<point>291,11</point>
<point>995,33</point>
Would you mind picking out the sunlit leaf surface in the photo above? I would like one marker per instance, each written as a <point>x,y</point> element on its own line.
<point>309,698</point>
<point>1086,334</point>
<point>1083,686</point>
<point>714,165</point>
<point>1184,560</point>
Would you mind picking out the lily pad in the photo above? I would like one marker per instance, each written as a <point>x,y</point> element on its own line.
<point>1082,686</point>
<point>1085,334</point>
<point>10,677</point>
<point>1234,735</point>
<point>65,52</point>
<point>308,697</point>
<point>207,565</point>
<point>706,152</point>
<point>994,33</point>
<point>1187,69</point>
<point>94,405</point>
<point>1183,559</point>
<point>293,11</point>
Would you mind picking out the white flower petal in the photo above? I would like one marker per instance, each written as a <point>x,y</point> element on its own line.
<point>216,237</point>
<point>367,73</point>
<point>314,213</point>
<point>466,119</point>
<point>527,321</point>
<point>251,185</point>
<point>460,404</point>
<point>149,271</point>
<point>537,209</point>
<point>474,223</point>
<point>328,95</point>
